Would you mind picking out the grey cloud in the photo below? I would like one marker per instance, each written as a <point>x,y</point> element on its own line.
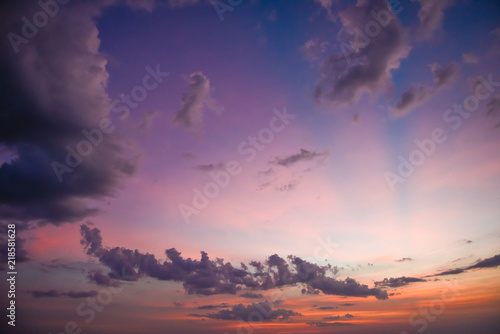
<point>369,68</point>
<point>209,167</point>
<point>431,16</point>
<point>303,155</point>
<point>248,312</point>
<point>470,58</point>
<point>98,277</point>
<point>328,324</point>
<point>210,277</point>
<point>404,259</point>
<point>339,317</point>
<point>444,75</point>
<point>212,307</point>
<point>487,263</point>
<point>398,281</point>
<point>50,92</point>
<point>251,295</point>
<point>194,101</point>
<point>348,287</point>
<point>411,98</point>
<point>449,272</point>
<point>491,262</point>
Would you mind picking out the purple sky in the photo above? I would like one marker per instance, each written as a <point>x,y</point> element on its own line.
<point>229,166</point>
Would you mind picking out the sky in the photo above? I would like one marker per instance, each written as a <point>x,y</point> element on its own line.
<point>250,166</point>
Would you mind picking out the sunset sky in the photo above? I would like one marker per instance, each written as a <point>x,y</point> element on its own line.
<point>251,166</point>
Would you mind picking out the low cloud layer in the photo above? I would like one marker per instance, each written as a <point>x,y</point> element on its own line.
<point>398,281</point>
<point>491,262</point>
<point>240,312</point>
<point>210,277</point>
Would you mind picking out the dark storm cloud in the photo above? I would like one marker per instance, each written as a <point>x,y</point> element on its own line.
<point>210,277</point>
<point>51,91</point>
<point>248,312</point>
<point>370,61</point>
<point>303,155</point>
<point>395,282</point>
<point>57,293</point>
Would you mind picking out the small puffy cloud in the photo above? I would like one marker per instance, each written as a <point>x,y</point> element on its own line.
<point>209,167</point>
<point>411,98</point>
<point>444,75</point>
<point>347,316</point>
<point>147,120</point>
<point>493,106</point>
<point>315,49</point>
<point>328,324</point>
<point>470,58</point>
<point>97,277</point>
<point>240,311</point>
<point>367,66</point>
<point>303,155</point>
<point>398,281</point>
<point>404,259</point>
<point>431,16</point>
<point>195,101</point>
<point>251,295</point>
